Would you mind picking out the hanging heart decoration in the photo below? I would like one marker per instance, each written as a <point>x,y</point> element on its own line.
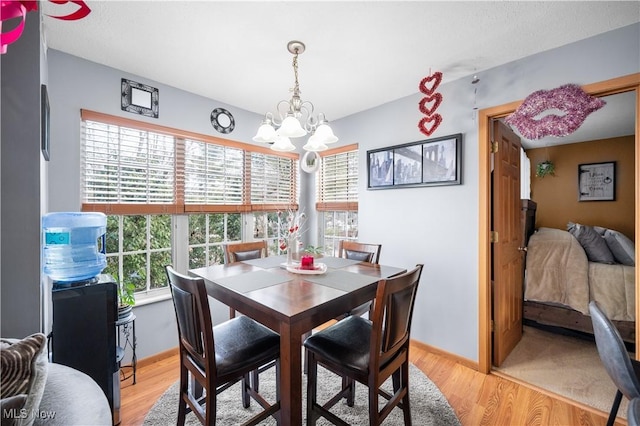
<point>429,84</point>
<point>428,104</point>
<point>436,98</point>
<point>428,125</point>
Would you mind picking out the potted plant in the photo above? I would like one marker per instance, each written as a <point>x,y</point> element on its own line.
<point>126,299</point>
<point>316,252</point>
<point>545,168</point>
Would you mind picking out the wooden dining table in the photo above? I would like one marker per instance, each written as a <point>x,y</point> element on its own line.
<point>293,303</point>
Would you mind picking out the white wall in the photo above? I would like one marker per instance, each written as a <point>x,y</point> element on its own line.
<point>437,226</point>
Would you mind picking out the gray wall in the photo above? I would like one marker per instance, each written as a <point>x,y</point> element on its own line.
<point>22,169</point>
<point>437,226</point>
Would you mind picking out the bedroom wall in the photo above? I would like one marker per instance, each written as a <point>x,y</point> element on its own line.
<point>557,196</point>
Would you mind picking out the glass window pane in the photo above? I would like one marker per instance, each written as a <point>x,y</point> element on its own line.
<point>134,233</point>
<point>160,231</point>
<point>216,256</point>
<point>197,257</point>
<point>234,227</point>
<point>197,228</point>
<point>158,273</point>
<point>216,227</point>
<point>112,235</point>
<point>134,270</point>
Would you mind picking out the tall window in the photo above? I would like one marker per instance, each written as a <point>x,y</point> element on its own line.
<point>174,197</point>
<point>337,201</point>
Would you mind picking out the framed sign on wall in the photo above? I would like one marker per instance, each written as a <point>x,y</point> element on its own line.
<point>597,181</point>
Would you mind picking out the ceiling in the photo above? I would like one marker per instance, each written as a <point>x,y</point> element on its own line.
<point>359,54</point>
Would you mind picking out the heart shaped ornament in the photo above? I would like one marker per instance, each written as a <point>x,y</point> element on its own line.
<point>428,125</point>
<point>429,84</point>
<point>433,102</point>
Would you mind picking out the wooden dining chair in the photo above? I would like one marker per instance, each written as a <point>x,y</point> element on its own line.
<point>218,357</point>
<point>237,252</point>
<point>359,251</point>
<point>368,352</point>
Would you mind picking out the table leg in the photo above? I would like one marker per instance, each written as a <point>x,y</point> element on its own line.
<point>290,376</point>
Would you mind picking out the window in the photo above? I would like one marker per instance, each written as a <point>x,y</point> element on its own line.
<point>337,201</point>
<point>174,197</point>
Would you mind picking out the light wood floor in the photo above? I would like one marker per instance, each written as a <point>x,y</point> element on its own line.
<point>477,399</point>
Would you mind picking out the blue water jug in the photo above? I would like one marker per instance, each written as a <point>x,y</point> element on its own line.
<point>74,245</point>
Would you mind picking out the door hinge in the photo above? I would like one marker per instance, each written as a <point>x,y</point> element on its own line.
<point>492,326</point>
<point>493,236</point>
<point>494,147</point>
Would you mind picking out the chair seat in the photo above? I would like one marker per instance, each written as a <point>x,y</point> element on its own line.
<point>345,343</point>
<point>241,343</point>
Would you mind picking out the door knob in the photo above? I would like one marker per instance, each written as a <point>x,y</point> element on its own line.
<point>522,249</point>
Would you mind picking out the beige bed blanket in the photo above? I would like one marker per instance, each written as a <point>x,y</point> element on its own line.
<point>558,272</point>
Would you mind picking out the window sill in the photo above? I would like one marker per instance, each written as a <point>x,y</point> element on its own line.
<point>154,296</point>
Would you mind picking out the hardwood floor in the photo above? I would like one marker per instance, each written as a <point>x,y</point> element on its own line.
<point>477,399</point>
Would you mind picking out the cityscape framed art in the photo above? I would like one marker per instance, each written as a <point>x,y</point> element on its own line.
<point>430,162</point>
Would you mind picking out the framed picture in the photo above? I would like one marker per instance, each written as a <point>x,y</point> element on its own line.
<point>597,181</point>
<point>44,122</point>
<point>139,98</point>
<point>430,162</point>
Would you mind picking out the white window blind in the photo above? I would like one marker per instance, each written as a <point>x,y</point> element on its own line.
<point>131,167</point>
<point>338,181</point>
<point>272,182</point>
<point>214,174</point>
<point>123,165</point>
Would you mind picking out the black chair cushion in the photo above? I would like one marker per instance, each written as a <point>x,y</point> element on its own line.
<point>362,256</point>
<point>345,343</point>
<point>242,342</point>
<point>247,255</point>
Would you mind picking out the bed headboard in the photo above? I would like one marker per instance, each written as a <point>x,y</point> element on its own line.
<point>528,217</point>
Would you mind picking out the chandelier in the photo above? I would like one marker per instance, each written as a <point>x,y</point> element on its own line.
<point>296,118</point>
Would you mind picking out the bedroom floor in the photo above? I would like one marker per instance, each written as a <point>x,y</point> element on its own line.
<point>565,365</point>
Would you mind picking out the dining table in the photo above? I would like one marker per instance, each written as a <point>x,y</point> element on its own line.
<point>292,301</point>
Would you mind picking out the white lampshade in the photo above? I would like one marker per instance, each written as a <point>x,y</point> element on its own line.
<point>266,133</point>
<point>291,128</point>
<point>324,134</point>
<point>283,144</point>
<point>315,144</point>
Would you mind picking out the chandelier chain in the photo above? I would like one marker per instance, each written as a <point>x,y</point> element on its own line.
<point>296,87</point>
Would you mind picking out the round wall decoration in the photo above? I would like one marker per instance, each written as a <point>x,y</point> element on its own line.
<point>222,120</point>
<point>310,162</point>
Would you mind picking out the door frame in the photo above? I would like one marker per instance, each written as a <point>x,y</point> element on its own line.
<point>485,116</point>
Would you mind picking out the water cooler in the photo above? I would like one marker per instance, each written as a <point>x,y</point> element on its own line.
<point>85,302</point>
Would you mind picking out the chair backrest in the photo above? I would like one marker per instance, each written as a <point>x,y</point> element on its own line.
<point>613,353</point>
<point>359,251</point>
<point>195,328</point>
<point>392,315</point>
<point>238,252</point>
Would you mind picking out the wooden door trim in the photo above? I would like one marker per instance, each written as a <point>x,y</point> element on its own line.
<point>607,87</point>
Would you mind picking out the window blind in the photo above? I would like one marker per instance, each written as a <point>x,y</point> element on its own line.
<point>338,180</point>
<point>131,167</point>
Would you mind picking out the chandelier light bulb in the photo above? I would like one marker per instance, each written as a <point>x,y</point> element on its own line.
<point>325,134</point>
<point>266,133</point>
<point>283,144</point>
<point>291,128</point>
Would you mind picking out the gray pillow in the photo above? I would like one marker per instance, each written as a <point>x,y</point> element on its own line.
<point>623,249</point>
<point>23,369</point>
<point>593,243</point>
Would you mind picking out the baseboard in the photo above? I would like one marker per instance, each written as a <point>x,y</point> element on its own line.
<point>453,357</point>
<point>158,357</point>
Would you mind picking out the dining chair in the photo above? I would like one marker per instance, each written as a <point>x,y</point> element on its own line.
<point>622,369</point>
<point>237,252</point>
<point>368,352</point>
<point>364,252</point>
<point>218,357</point>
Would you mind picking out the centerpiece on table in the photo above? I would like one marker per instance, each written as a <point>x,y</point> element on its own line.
<point>290,229</point>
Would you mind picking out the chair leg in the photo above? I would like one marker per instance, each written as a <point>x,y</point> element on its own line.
<point>246,383</point>
<point>306,355</point>
<point>312,376</point>
<point>406,408</point>
<point>614,408</point>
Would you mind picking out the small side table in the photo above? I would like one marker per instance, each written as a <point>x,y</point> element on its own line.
<point>127,327</point>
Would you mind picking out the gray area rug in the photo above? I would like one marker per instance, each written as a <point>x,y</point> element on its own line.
<point>428,405</point>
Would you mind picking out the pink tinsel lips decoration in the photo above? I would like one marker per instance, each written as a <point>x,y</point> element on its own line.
<point>569,99</point>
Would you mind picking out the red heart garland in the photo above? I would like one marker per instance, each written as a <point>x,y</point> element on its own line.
<point>436,98</point>
<point>429,129</point>
<point>434,79</point>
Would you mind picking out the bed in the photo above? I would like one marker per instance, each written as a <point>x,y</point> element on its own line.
<point>560,281</point>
